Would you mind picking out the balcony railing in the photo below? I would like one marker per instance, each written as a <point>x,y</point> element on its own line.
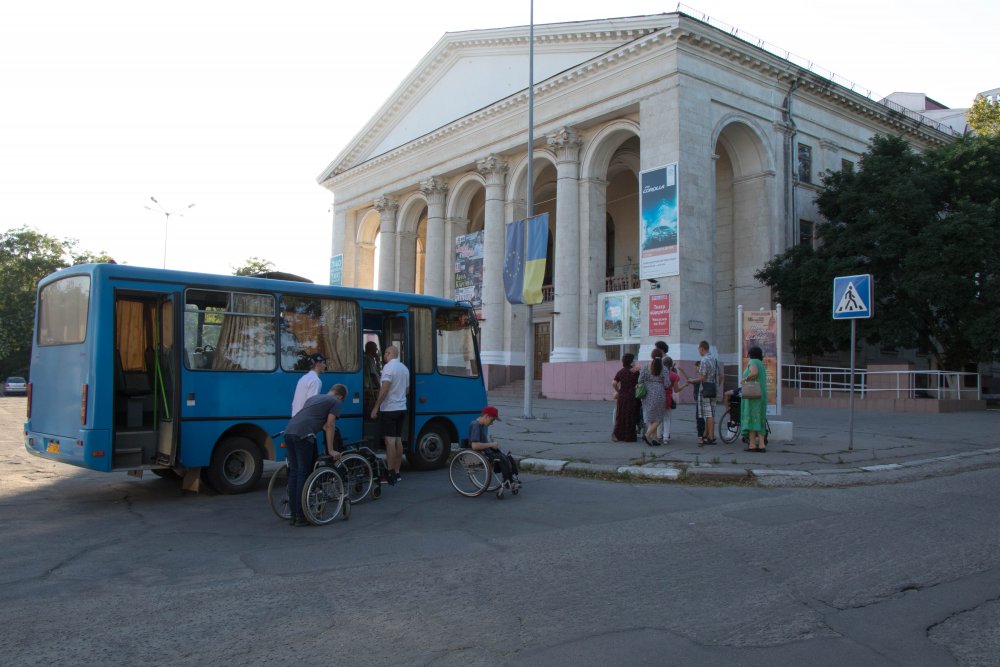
<point>611,284</point>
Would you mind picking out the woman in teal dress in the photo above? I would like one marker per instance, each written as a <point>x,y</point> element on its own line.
<point>753,411</point>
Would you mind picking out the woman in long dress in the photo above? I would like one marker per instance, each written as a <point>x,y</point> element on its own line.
<point>753,411</point>
<point>627,406</point>
<point>654,406</point>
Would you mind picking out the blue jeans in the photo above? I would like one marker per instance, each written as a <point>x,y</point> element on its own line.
<point>301,456</point>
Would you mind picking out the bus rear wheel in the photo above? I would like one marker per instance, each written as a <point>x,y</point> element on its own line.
<point>236,466</point>
<point>432,449</point>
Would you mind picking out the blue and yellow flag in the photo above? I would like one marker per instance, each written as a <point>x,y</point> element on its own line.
<point>524,262</point>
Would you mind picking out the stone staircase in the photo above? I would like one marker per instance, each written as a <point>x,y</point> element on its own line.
<point>514,391</point>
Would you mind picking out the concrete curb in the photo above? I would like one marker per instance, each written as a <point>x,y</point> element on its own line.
<point>703,472</point>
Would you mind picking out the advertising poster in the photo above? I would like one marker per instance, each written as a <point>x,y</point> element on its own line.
<point>614,317</point>
<point>760,328</point>
<point>659,315</point>
<point>619,317</point>
<point>469,270</point>
<point>337,270</point>
<point>658,222</point>
<point>635,316</point>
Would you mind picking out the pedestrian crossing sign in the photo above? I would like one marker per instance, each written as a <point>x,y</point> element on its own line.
<point>852,297</point>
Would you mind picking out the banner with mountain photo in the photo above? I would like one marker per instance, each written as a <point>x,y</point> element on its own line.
<point>524,259</point>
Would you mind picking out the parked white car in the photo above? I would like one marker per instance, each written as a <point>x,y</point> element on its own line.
<point>15,386</point>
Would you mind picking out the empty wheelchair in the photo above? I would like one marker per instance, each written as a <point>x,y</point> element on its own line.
<point>473,473</point>
<point>324,495</point>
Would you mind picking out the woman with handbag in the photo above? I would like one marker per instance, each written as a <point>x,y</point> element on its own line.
<point>627,405</point>
<point>654,405</point>
<point>753,401</point>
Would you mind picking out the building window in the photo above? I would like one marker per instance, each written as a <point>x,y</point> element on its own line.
<point>805,163</point>
<point>805,232</point>
<point>846,166</point>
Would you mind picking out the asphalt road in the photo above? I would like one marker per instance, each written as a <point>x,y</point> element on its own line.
<point>100,569</point>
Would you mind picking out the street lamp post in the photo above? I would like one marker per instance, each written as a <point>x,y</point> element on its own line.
<point>166,223</point>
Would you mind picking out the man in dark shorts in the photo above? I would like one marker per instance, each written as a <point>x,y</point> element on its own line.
<point>318,414</point>
<point>391,402</point>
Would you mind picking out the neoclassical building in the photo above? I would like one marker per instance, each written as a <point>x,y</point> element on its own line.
<point>750,132</point>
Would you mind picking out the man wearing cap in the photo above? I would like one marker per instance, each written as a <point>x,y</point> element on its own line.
<point>309,384</point>
<point>480,441</point>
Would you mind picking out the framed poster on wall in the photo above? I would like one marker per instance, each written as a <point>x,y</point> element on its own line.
<point>619,317</point>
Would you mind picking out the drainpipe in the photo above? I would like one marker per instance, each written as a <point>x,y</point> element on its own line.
<point>791,171</point>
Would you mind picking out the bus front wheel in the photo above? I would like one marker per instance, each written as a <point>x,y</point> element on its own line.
<point>432,449</point>
<point>236,466</point>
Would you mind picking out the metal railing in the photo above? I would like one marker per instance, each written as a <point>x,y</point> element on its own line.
<point>611,284</point>
<point>829,381</point>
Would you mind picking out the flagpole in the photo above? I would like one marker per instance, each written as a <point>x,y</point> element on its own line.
<point>529,325</point>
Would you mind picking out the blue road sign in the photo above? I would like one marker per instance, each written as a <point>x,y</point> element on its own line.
<point>852,297</point>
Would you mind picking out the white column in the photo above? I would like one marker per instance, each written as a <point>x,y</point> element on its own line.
<point>365,274</point>
<point>406,257</point>
<point>593,245</point>
<point>340,246</point>
<point>494,170</point>
<point>434,251</point>
<point>387,208</point>
<point>566,279</point>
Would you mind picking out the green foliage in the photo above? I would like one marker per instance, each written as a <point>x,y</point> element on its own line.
<point>927,228</point>
<point>27,256</point>
<point>984,117</point>
<point>254,266</point>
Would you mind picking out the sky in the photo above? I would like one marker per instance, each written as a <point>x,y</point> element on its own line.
<point>237,108</point>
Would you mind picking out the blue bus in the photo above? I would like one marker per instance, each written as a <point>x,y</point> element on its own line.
<point>188,374</point>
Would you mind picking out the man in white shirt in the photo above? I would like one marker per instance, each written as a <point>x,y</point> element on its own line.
<point>392,403</point>
<point>310,383</point>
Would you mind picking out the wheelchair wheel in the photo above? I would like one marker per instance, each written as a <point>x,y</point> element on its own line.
<point>323,496</point>
<point>470,473</point>
<point>277,493</point>
<point>729,430</point>
<point>358,476</point>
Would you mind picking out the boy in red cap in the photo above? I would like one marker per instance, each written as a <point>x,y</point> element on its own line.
<point>481,441</point>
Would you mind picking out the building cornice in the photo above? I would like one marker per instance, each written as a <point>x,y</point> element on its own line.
<point>611,32</point>
<point>646,41</point>
<point>743,54</point>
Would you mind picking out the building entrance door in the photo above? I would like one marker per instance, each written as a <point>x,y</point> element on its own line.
<point>543,341</point>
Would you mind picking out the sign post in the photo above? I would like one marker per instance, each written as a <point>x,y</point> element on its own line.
<point>852,300</point>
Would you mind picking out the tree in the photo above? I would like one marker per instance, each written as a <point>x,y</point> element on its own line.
<point>254,266</point>
<point>927,228</point>
<point>984,116</point>
<point>27,256</point>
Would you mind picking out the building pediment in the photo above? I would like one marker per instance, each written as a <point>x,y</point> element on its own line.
<point>468,71</point>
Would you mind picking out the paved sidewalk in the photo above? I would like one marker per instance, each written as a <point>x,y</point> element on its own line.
<point>575,437</point>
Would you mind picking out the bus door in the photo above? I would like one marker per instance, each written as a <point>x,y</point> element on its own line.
<point>145,379</point>
<point>385,327</point>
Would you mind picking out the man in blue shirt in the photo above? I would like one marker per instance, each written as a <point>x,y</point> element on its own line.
<point>319,413</point>
<point>480,441</point>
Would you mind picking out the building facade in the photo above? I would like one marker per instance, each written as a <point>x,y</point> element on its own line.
<point>751,134</point>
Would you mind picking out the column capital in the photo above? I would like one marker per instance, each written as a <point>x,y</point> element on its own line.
<point>434,189</point>
<point>386,204</point>
<point>493,168</point>
<point>566,143</point>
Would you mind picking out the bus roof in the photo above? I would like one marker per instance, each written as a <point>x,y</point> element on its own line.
<point>213,280</point>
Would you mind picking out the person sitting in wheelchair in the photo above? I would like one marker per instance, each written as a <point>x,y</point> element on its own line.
<point>481,441</point>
